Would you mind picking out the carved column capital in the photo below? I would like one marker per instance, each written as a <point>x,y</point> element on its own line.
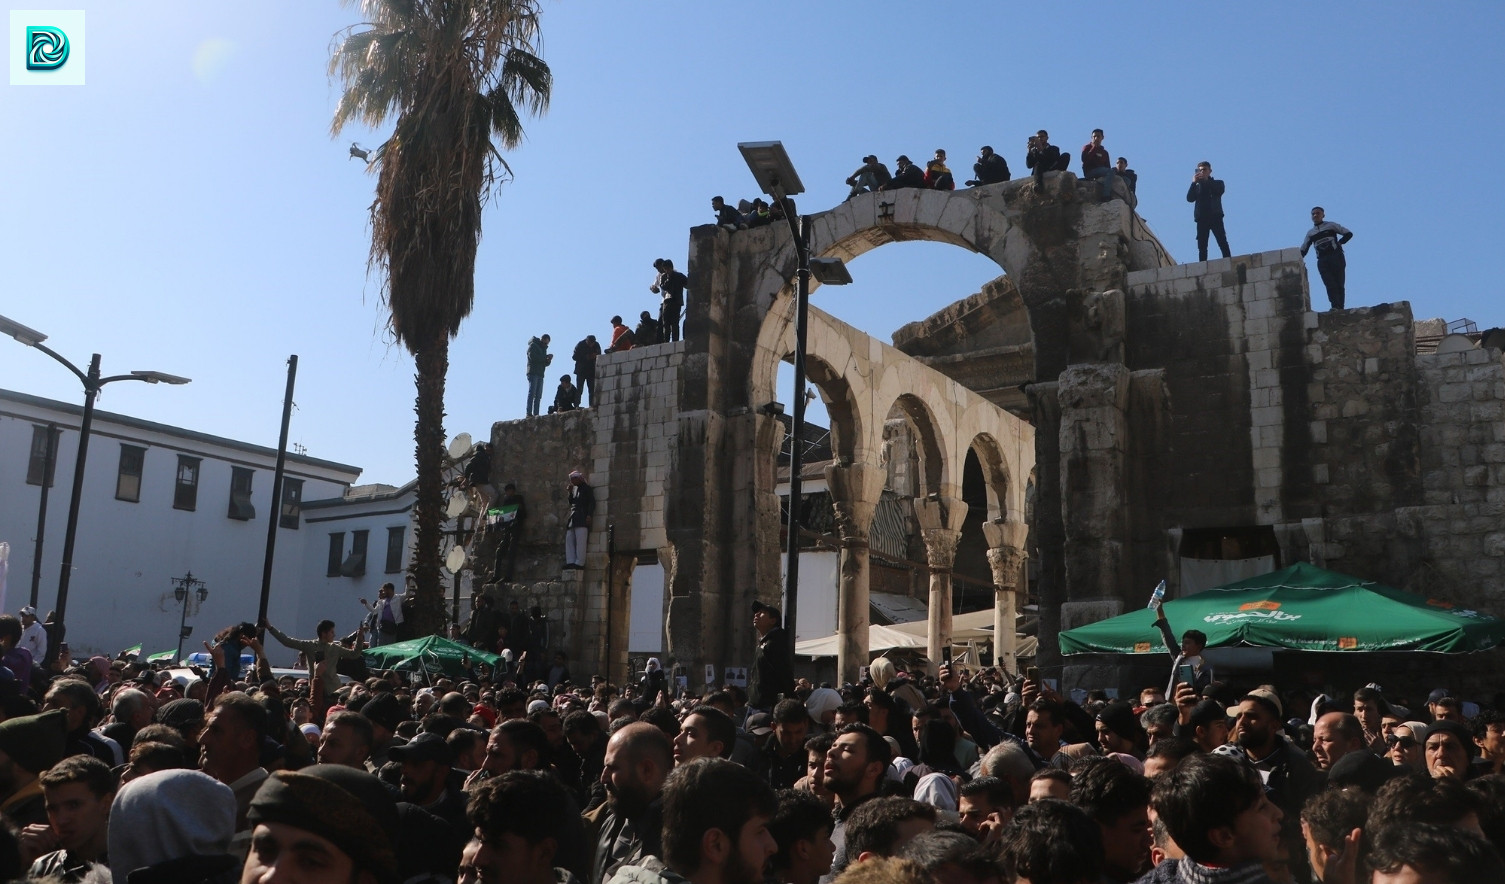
<point>855,489</point>
<point>940,547</point>
<point>1006,562</point>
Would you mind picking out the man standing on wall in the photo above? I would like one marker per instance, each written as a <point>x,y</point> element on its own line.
<point>1207,193</point>
<point>1329,237</point>
<point>671,284</point>
<point>539,358</point>
<point>585,370</point>
<point>771,674</point>
<point>577,526</point>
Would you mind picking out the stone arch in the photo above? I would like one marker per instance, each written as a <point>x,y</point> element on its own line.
<point>829,373</point>
<point>936,471</point>
<point>996,478</point>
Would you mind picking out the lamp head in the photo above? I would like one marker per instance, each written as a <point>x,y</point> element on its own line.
<point>28,336</point>
<point>160,377</point>
<point>771,168</point>
<point>830,271</point>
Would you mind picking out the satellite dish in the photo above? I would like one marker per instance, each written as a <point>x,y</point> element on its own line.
<point>455,560</point>
<point>460,446</point>
<point>456,505</point>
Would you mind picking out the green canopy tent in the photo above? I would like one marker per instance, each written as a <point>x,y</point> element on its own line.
<point>430,654</point>
<point>1300,608</point>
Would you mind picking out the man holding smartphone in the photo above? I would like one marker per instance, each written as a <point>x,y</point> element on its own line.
<point>1206,192</point>
<point>1190,666</point>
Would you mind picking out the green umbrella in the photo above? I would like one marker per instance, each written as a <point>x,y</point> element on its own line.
<point>430,654</point>
<point>1301,608</point>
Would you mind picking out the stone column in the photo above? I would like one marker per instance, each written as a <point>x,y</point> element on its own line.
<point>1094,435</point>
<point>940,521</point>
<point>1006,557</point>
<point>854,494</point>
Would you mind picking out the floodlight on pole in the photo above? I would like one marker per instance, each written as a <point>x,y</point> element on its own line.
<point>830,271</point>
<point>775,174</point>
<point>92,383</point>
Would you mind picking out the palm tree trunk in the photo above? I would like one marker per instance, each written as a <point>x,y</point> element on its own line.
<point>432,364</point>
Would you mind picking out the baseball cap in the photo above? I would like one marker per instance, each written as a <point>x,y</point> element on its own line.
<point>759,724</point>
<point>763,607</point>
<point>28,611</point>
<point>424,747</point>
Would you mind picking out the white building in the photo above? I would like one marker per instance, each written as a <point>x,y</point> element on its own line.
<point>355,543</point>
<point>159,502</point>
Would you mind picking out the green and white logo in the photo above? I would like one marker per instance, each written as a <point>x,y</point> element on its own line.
<point>46,48</point>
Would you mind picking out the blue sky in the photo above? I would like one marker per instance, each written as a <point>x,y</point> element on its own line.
<point>188,211</point>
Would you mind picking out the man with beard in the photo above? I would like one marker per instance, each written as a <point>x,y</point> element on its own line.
<point>78,792</point>
<point>784,756</point>
<point>426,764</point>
<point>716,816</point>
<point>1118,800</point>
<point>230,748</point>
<point>346,740</point>
<point>513,745</point>
<point>1256,731</point>
<point>630,826</point>
<point>854,767</point>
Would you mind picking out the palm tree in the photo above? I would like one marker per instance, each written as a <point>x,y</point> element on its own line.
<point>458,75</point>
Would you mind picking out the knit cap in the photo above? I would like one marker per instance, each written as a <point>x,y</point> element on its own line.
<point>35,742</point>
<point>347,807</point>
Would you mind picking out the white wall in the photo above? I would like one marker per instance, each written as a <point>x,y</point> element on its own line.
<point>126,553</point>
<point>645,625</point>
<point>816,615</point>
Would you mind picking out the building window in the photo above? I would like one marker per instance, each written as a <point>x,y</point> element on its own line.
<point>128,480</point>
<point>355,563</point>
<point>186,495</point>
<point>240,494</point>
<point>292,503</point>
<point>395,537</point>
<point>336,554</point>
<point>40,464</point>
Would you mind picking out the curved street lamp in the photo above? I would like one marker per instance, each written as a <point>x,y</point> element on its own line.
<point>92,383</point>
<point>770,165</point>
<point>182,588</point>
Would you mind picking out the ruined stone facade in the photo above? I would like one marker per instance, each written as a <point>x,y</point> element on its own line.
<point>1174,411</point>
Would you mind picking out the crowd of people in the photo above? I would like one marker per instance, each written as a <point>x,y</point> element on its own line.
<point>116,771</point>
<point>653,327</point>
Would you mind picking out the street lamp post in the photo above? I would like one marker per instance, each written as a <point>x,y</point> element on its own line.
<point>182,589</point>
<point>92,384</point>
<point>770,165</point>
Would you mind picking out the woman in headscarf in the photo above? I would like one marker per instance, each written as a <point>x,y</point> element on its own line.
<point>653,682</point>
